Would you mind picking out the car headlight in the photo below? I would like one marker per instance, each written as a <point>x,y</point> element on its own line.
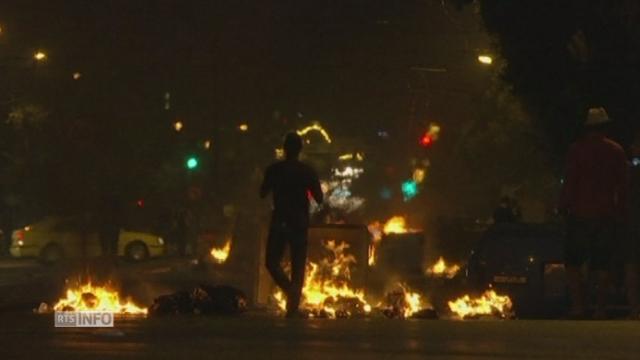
<point>160,241</point>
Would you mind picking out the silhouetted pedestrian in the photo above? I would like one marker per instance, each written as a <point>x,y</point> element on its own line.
<point>595,199</point>
<point>291,183</point>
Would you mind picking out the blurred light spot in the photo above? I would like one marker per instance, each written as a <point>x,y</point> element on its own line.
<point>409,190</point>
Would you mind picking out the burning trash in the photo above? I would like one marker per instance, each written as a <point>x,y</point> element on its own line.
<point>204,299</point>
<point>89,297</point>
<point>442,269</point>
<point>395,225</point>
<point>221,254</point>
<point>402,303</point>
<point>327,291</point>
<point>489,303</point>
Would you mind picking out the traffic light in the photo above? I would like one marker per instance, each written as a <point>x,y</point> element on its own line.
<point>426,140</point>
<point>409,190</point>
<point>192,162</point>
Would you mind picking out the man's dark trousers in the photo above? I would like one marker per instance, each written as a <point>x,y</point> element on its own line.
<point>281,234</point>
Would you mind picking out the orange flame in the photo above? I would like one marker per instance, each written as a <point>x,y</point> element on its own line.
<point>88,297</point>
<point>327,282</point>
<point>220,255</point>
<point>489,303</point>
<point>404,303</point>
<point>441,269</point>
<point>395,225</point>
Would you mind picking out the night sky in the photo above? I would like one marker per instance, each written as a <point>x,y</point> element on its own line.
<point>342,62</point>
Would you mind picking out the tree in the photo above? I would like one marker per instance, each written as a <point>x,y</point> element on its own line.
<point>562,57</point>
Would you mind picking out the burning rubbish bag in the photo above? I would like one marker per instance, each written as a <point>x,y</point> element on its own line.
<point>401,303</point>
<point>89,297</point>
<point>488,304</point>
<point>204,299</point>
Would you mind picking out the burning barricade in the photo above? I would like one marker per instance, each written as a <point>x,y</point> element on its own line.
<point>395,225</point>
<point>487,304</point>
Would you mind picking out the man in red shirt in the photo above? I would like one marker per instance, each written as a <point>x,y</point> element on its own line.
<point>595,198</point>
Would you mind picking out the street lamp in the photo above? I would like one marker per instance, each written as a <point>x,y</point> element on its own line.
<point>485,59</point>
<point>243,127</point>
<point>178,125</point>
<point>77,76</point>
<point>40,56</point>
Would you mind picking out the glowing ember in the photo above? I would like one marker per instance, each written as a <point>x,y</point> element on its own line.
<point>88,297</point>
<point>441,269</point>
<point>220,255</point>
<point>327,291</point>
<point>488,303</point>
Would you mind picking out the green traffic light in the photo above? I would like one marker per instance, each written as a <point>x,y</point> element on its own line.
<point>192,163</point>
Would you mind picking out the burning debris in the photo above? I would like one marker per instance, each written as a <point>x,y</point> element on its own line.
<point>327,291</point>
<point>441,269</point>
<point>489,303</point>
<point>395,225</point>
<point>221,254</point>
<point>89,297</point>
<point>402,303</point>
<point>204,299</point>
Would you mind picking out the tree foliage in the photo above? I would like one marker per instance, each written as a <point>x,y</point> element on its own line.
<point>562,57</point>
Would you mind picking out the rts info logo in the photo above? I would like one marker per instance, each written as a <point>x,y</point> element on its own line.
<point>83,319</point>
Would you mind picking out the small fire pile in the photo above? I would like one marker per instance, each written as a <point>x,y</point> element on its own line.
<point>395,225</point>
<point>89,297</point>
<point>403,303</point>
<point>441,269</point>
<point>327,291</point>
<point>489,303</point>
<point>221,254</point>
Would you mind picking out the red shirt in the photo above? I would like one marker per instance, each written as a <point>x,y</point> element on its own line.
<point>597,179</point>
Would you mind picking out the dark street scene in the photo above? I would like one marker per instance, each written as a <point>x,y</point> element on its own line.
<point>329,179</point>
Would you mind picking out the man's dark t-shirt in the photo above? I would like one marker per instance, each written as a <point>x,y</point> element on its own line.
<point>291,182</point>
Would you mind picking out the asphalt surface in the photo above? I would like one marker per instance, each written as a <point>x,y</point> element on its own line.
<point>259,335</point>
<point>250,336</point>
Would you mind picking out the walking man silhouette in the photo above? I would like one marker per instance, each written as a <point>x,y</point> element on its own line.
<point>292,183</point>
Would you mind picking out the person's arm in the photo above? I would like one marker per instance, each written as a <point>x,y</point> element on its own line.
<point>267,183</point>
<point>315,188</point>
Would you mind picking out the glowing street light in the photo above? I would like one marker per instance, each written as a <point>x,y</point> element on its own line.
<point>178,125</point>
<point>77,76</point>
<point>207,144</point>
<point>485,59</point>
<point>40,56</point>
<point>243,127</point>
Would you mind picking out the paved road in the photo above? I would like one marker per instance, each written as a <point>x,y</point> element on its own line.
<point>29,336</point>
